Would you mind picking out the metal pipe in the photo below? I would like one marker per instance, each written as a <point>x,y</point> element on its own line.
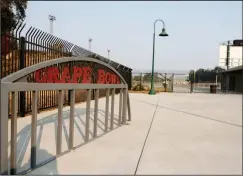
<point>59,122</point>
<point>14,111</point>
<point>87,115</point>
<point>112,108</point>
<point>107,109</point>
<point>96,111</point>
<point>33,129</point>
<point>120,107</point>
<point>71,126</point>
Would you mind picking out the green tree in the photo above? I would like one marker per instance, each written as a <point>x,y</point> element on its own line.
<point>12,13</point>
<point>208,75</point>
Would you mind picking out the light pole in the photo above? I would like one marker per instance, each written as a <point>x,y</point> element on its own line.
<point>51,19</point>
<point>108,51</point>
<point>90,40</point>
<point>162,34</point>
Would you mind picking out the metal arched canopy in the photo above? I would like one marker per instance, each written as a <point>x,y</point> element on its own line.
<point>21,73</point>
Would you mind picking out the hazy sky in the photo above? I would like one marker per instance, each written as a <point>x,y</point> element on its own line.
<point>126,28</point>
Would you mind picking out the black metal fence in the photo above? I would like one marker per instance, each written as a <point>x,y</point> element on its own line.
<point>184,82</point>
<point>163,82</point>
<point>18,52</point>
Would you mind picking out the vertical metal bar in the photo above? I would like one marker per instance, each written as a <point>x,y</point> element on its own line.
<point>112,108</point>
<point>12,53</point>
<point>87,115</point>
<point>4,131</point>
<point>21,66</point>
<point>59,123</point>
<point>165,82</point>
<point>4,60</point>
<point>107,109</point>
<point>14,103</point>
<point>34,129</point>
<point>72,109</point>
<point>124,109</point>
<point>172,83</point>
<point>96,111</point>
<point>120,108</point>
<point>129,108</point>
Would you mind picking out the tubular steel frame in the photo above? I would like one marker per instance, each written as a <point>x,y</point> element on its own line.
<point>8,85</point>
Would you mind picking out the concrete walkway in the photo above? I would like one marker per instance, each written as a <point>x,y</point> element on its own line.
<point>170,133</point>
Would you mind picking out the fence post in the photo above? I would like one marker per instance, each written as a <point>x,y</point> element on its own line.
<point>192,80</point>
<point>130,80</point>
<point>22,66</point>
<point>69,91</point>
<point>172,86</point>
<point>165,82</point>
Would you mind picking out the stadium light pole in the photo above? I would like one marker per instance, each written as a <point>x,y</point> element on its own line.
<point>90,40</point>
<point>108,51</point>
<point>51,19</point>
<point>162,34</point>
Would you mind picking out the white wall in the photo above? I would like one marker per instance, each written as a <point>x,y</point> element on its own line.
<point>235,56</point>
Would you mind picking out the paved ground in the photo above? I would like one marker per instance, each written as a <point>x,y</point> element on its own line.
<point>170,133</point>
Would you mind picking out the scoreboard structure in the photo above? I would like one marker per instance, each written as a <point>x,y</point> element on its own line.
<point>235,55</point>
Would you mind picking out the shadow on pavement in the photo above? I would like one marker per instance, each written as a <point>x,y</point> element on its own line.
<point>24,137</point>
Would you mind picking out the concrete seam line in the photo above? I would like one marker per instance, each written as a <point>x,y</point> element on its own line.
<point>151,123</point>
<point>195,115</point>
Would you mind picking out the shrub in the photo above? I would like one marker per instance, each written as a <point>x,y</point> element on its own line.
<point>138,87</point>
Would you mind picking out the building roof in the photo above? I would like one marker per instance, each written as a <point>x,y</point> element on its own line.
<point>234,69</point>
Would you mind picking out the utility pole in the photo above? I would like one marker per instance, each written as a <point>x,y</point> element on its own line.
<point>90,40</point>
<point>51,19</point>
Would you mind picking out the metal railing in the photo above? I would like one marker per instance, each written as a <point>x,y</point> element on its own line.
<point>11,85</point>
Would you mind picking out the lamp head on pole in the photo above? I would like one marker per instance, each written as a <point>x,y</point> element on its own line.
<point>163,33</point>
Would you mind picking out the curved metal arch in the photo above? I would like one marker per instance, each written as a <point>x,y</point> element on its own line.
<point>21,73</point>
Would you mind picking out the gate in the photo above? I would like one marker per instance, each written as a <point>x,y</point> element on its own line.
<point>174,82</point>
<point>164,82</point>
<point>181,83</point>
<point>59,75</point>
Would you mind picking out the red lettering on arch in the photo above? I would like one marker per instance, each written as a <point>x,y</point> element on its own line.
<point>52,75</point>
<point>77,73</point>
<point>39,78</point>
<point>87,75</point>
<point>101,76</point>
<point>112,79</point>
<point>118,81</point>
<point>65,78</point>
<point>107,78</point>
